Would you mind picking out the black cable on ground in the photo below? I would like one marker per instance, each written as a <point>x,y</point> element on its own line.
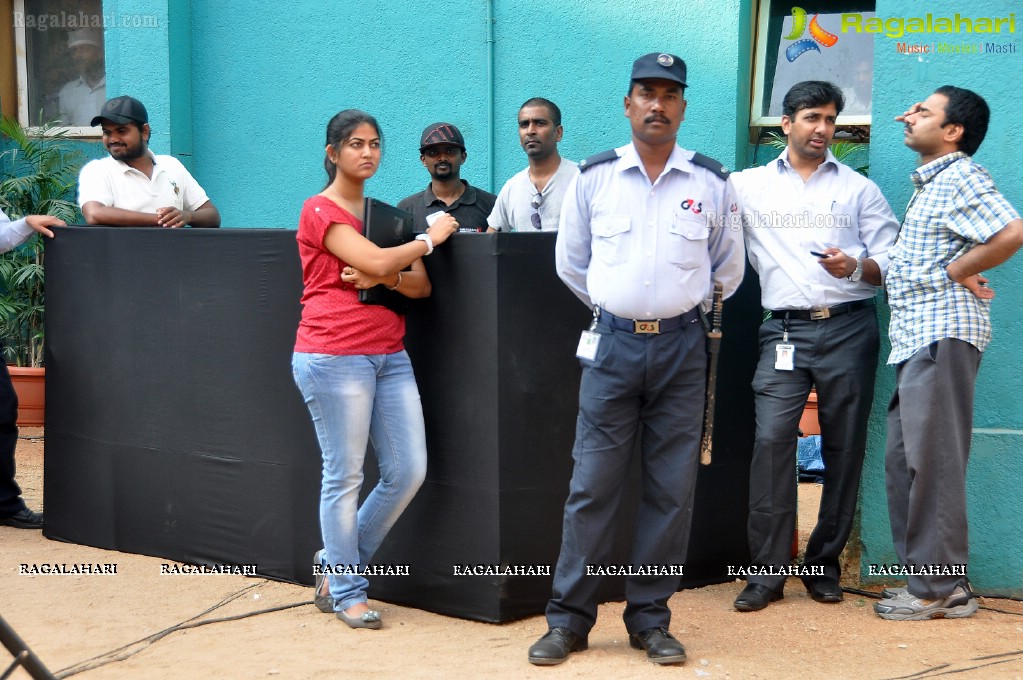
<point>126,651</point>
<point>932,672</point>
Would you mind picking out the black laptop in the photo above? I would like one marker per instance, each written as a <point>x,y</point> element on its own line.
<point>386,226</point>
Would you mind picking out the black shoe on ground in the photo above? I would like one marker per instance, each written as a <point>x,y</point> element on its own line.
<point>554,647</point>
<point>26,519</point>
<point>755,597</point>
<point>823,589</point>
<point>659,644</point>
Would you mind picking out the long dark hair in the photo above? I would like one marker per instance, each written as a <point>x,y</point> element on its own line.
<point>339,129</point>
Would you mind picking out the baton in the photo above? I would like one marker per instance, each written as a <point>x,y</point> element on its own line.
<point>713,347</point>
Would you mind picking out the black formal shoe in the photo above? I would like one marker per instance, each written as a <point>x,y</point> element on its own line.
<point>26,519</point>
<point>823,588</point>
<point>755,597</point>
<point>659,644</point>
<point>553,648</point>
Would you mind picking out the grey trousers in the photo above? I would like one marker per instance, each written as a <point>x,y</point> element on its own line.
<point>653,387</point>
<point>930,421</point>
<point>839,356</point>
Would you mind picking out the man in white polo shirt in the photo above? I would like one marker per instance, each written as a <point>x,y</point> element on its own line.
<point>134,187</point>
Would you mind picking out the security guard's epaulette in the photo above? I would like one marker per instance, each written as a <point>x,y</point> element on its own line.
<point>711,164</point>
<point>602,157</point>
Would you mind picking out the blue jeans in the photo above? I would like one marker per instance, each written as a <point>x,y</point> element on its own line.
<point>355,399</point>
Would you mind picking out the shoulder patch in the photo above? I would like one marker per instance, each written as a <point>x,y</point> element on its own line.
<point>711,164</point>
<point>602,157</point>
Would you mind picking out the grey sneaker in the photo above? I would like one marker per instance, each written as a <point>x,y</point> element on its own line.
<point>896,593</point>
<point>959,605</point>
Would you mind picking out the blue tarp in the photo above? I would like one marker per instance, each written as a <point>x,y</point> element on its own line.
<point>808,459</point>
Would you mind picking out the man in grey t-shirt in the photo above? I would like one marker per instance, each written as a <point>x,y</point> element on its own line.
<point>531,199</point>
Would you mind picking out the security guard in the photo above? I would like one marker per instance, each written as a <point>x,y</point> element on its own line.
<point>640,244</point>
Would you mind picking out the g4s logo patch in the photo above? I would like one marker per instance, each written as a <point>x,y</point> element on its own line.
<point>693,205</point>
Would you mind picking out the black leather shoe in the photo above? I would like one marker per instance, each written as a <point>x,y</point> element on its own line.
<point>26,519</point>
<point>823,589</point>
<point>554,647</point>
<point>755,597</point>
<point>659,644</point>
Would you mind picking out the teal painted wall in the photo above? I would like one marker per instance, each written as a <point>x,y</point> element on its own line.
<point>242,90</point>
<point>995,472</point>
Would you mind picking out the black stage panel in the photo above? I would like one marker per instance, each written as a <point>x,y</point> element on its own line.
<point>174,427</point>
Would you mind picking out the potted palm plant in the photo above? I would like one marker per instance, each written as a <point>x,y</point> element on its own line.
<point>38,171</point>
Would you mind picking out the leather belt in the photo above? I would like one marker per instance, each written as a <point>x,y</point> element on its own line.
<point>821,314</point>
<point>647,326</point>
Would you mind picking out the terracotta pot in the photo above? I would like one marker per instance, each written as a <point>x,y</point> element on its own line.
<point>30,386</point>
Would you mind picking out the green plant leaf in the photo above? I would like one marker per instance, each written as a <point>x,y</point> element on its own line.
<point>39,172</point>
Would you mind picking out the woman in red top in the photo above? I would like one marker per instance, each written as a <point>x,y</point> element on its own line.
<point>352,369</point>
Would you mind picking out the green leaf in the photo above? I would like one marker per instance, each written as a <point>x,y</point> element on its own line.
<point>40,169</point>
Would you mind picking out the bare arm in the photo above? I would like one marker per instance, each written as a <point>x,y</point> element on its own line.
<point>206,215</point>
<point>412,284</point>
<point>353,248</point>
<point>999,248</point>
<point>97,213</point>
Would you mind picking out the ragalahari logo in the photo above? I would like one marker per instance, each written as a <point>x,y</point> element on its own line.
<point>818,35</point>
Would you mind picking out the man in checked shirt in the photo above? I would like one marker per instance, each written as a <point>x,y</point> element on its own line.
<point>957,225</point>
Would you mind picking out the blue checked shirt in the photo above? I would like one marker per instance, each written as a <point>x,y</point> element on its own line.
<point>955,207</point>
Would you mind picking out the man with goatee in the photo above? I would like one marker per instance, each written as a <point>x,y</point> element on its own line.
<point>134,187</point>
<point>442,151</point>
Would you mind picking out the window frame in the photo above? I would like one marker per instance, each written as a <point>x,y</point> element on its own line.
<point>21,85</point>
<point>759,78</point>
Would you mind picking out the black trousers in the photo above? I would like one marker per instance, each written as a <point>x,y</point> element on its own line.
<point>839,356</point>
<point>10,492</point>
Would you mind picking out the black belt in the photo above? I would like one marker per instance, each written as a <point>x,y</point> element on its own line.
<point>821,314</point>
<point>647,326</point>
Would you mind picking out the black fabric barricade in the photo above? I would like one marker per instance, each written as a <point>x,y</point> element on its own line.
<point>174,427</point>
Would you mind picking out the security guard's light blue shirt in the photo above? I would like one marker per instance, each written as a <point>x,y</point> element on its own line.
<point>643,249</point>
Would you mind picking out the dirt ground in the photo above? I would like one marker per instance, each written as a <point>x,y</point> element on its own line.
<point>79,622</point>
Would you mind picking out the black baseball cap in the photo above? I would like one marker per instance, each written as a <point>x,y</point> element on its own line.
<point>441,133</point>
<point>122,110</point>
<point>660,65</point>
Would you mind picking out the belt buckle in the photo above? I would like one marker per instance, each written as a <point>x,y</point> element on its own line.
<point>820,314</point>
<point>653,326</point>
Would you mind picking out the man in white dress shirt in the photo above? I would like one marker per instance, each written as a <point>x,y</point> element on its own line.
<point>531,199</point>
<point>82,98</point>
<point>638,245</point>
<point>818,234</point>
<point>134,187</point>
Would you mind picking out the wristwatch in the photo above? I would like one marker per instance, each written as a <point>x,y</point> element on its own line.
<point>857,273</point>
<point>425,238</point>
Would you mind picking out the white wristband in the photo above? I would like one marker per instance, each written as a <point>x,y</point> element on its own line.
<point>425,238</point>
